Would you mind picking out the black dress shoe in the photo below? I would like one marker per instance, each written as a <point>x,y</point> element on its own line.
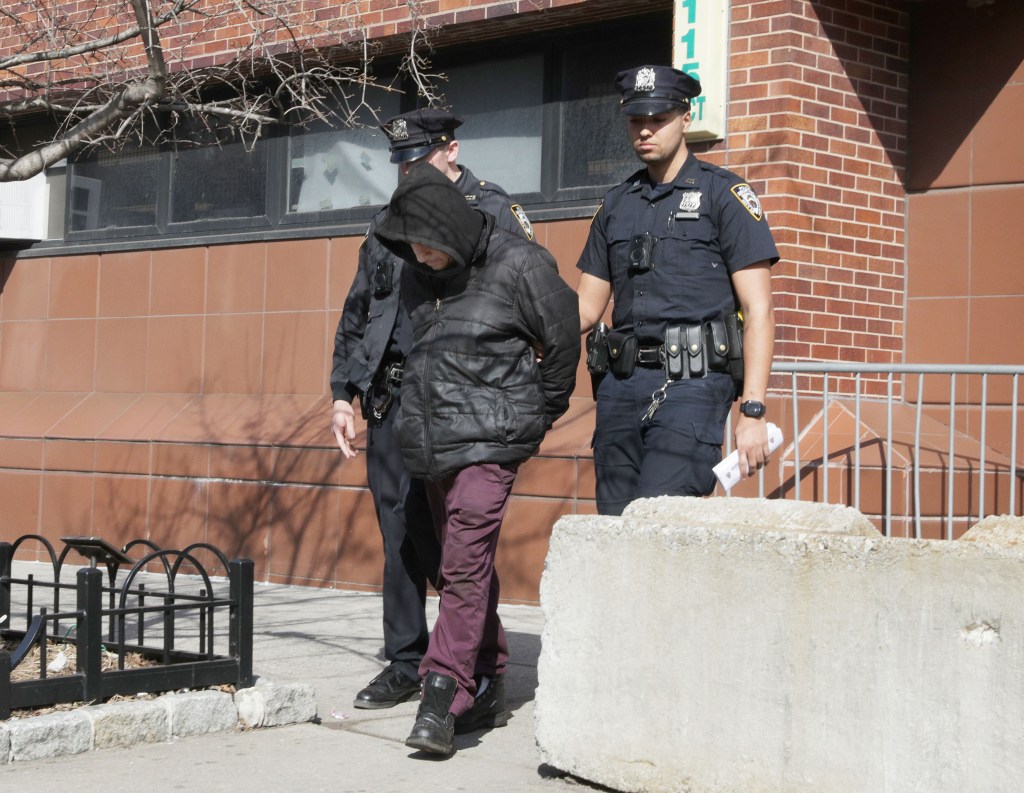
<point>434,729</point>
<point>387,689</point>
<point>489,709</point>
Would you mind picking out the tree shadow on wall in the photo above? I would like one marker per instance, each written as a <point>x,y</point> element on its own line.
<point>270,490</point>
<point>959,58</point>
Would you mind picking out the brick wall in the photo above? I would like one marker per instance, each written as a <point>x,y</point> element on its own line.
<point>219,30</point>
<point>818,125</point>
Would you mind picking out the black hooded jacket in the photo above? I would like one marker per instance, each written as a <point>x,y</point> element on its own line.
<point>473,391</point>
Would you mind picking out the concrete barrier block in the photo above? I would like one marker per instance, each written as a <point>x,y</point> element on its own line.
<point>999,529</point>
<point>271,704</point>
<point>118,725</point>
<point>5,745</point>
<point>51,735</point>
<point>200,712</point>
<point>755,514</point>
<point>706,656</point>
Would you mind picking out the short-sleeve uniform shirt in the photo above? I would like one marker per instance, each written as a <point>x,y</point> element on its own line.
<point>705,225</point>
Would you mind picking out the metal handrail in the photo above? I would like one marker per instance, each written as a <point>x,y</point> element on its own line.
<point>889,374</point>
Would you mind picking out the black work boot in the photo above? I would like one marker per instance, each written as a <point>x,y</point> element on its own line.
<point>388,689</point>
<point>435,725</point>
<point>489,709</point>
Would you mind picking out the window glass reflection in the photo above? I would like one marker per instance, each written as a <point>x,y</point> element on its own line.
<point>342,168</point>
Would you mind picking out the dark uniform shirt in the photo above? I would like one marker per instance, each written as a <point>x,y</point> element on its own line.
<point>705,225</point>
<point>372,330</point>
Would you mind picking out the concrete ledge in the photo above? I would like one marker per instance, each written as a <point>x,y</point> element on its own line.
<point>175,715</point>
<point>52,735</point>
<point>119,725</point>
<point>687,651</point>
<point>273,705</point>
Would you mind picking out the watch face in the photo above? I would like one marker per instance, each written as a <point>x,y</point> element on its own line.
<point>752,409</point>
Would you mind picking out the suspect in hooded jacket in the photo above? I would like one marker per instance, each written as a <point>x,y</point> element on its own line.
<point>484,305</point>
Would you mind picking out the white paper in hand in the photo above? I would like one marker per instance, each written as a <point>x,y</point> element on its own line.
<point>728,471</point>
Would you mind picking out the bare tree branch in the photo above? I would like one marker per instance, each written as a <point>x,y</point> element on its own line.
<point>114,71</point>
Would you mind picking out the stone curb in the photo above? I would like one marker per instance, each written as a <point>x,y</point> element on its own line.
<point>119,725</point>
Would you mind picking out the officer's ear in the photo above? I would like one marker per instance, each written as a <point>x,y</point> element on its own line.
<point>451,152</point>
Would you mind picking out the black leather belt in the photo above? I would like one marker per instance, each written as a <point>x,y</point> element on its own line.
<point>393,373</point>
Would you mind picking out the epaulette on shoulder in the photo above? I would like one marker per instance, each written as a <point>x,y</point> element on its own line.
<point>718,171</point>
<point>491,187</point>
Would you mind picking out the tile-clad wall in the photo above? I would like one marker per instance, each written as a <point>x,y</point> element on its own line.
<point>182,396</point>
<point>965,282</point>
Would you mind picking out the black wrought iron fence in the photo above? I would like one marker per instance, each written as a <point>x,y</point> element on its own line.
<point>167,610</point>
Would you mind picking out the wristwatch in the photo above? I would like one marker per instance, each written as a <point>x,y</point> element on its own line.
<point>752,409</point>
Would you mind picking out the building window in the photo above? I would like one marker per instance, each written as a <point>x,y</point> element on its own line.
<point>540,119</point>
<point>112,191</point>
<point>220,178</point>
<point>339,169</point>
<point>502,103</point>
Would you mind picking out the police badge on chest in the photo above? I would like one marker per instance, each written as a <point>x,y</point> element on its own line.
<point>689,206</point>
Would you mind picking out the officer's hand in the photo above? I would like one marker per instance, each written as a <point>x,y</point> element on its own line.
<point>343,422</point>
<point>751,438</point>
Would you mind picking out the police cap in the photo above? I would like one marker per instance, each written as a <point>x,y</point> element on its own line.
<point>650,90</point>
<point>414,134</point>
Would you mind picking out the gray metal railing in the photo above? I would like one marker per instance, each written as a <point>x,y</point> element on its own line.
<point>833,387</point>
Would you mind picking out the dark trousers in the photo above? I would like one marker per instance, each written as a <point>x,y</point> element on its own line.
<point>468,640</point>
<point>670,455</point>
<point>412,553</point>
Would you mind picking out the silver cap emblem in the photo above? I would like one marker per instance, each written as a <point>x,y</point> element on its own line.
<point>399,130</point>
<point>644,80</point>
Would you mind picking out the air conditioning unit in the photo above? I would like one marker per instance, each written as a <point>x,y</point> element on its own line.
<point>24,207</point>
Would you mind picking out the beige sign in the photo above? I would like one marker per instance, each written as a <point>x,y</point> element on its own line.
<point>700,47</point>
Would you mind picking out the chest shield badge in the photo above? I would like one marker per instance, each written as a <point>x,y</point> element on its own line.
<point>690,201</point>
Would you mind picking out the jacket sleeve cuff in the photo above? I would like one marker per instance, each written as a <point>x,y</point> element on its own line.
<point>348,392</point>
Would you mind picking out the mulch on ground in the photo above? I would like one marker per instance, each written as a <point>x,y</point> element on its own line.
<point>61,660</point>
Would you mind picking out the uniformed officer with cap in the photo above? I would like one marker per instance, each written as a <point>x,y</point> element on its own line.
<point>681,245</point>
<point>370,345</point>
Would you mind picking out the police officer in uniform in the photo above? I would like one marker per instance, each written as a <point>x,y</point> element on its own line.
<point>370,345</point>
<point>685,250</point>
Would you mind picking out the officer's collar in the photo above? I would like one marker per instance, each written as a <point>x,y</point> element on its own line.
<point>686,178</point>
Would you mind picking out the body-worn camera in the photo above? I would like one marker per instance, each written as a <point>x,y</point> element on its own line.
<point>383,278</point>
<point>641,252</point>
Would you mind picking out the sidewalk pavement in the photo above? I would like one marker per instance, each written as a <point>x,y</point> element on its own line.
<point>331,640</point>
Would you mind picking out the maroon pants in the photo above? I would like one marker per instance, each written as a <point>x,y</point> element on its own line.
<point>468,640</point>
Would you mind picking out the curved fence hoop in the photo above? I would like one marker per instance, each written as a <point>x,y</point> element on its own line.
<point>170,572</point>
<point>156,553</point>
<point>54,562</point>
<point>31,637</point>
<point>221,556</point>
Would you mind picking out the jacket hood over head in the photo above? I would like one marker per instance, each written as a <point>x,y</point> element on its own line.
<point>428,209</point>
